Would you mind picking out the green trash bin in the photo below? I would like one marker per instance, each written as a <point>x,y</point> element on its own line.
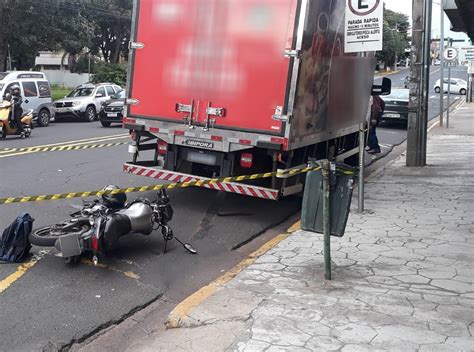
<point>342,185</point>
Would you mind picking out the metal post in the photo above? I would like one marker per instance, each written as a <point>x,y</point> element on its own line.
<point>415,133</point>
<point>449,94</point>
<point>426,80</point>
<point>9,60</point>
<point>326,170</point>
<point>441,64</point>
<point>470,87</point>
<point>361,167</point>
<point>89,66</point>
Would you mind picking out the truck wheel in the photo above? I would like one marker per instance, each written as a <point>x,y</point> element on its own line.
<point>90,114</point>
<point>462,91</point>
<point>44,117</point>
<point>72,260</point>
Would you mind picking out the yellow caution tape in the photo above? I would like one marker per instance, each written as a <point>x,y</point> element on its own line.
<point>198,183</point>
<point>62,148</point>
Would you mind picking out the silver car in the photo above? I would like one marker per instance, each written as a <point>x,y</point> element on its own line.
<point>85,101</point>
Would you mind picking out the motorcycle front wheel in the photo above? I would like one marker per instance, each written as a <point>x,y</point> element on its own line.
<point>47,236</point>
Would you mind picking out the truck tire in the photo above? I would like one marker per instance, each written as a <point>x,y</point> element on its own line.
<point>44,117</point>
<point>72,261</point>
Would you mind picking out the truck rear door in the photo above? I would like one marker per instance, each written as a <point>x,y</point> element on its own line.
<point>224,56</point>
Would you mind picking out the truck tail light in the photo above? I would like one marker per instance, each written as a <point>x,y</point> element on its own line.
<point>162,147</point>
<point>246,160</point>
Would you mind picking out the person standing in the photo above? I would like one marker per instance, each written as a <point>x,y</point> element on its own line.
<point>378,107</point>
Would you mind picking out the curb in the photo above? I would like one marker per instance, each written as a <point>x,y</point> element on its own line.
<point>178,316</point>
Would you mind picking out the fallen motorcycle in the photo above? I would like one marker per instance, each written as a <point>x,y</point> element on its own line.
<point>99,225</point>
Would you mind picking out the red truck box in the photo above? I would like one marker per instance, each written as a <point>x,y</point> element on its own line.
<point>229,87</point>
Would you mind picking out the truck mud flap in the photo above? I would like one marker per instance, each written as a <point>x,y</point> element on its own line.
<point>176,177</point>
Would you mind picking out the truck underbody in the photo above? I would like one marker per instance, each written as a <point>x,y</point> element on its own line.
<point>177,163</point>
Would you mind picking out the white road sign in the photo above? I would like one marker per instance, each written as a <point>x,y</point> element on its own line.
<point>363,25</point>
<point>467,53</point>
<point>450,54</point>
<point>470,68</point>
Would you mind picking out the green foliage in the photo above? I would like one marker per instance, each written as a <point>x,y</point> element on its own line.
<point>59,92</point>
<point>80,64</point>
<point>395,36</point>
<point>28,26</point>
<point>110,34</point>
<point>112,73</point>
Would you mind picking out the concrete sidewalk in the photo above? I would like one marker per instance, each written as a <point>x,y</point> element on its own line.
<point>402,278</point>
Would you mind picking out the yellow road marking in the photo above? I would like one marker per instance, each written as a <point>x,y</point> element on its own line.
<point>129,274</point>
<point>20,271</point>
<point>182,310</point>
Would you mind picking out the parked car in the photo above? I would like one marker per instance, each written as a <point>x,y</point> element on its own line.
<point>396,105</point>
<point>85,101</point>
<point>458,86</point>
<point>113,110</point>
<point>36,93</point>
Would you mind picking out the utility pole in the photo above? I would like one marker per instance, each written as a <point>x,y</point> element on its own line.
<point>419,86</point>
<point>441,64</point>
<point>396,54</point>
<point>426,77</point>
<point>89,64</point>
<point>9,59</point>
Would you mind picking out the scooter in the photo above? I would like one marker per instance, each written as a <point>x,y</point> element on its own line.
<point>97,228</point>
<point>7,127</point>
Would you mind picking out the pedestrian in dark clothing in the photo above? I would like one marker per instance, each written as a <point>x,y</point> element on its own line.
<point>378,107</point>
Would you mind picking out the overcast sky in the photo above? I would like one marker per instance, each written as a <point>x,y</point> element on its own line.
<point>405,6</point>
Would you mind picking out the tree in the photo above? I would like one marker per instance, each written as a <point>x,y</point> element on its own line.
<point>113,73</point>
<point>28,26</point>
<point>111,33</point>
<point>395,36</point>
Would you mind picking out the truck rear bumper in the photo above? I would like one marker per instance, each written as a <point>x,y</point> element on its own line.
<point>177,177</point>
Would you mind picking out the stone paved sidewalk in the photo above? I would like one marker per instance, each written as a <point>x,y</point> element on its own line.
<point>402,279</point>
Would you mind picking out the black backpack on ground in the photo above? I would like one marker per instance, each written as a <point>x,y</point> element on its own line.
<point>15,240</point>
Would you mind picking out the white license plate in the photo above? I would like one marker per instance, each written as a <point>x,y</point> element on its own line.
<point>61,110</point>
<point>112,114</point>
<point>392,115</point>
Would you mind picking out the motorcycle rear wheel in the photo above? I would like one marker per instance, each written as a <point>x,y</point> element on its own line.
<point>47,236</point>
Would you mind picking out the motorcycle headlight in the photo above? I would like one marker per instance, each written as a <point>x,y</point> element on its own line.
<point>91,220</point>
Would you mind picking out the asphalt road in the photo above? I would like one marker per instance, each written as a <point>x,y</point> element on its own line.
<point>53,305</point>
<point>390,134</point>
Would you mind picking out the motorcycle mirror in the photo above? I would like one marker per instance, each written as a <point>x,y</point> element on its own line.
<point>189,248</point>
